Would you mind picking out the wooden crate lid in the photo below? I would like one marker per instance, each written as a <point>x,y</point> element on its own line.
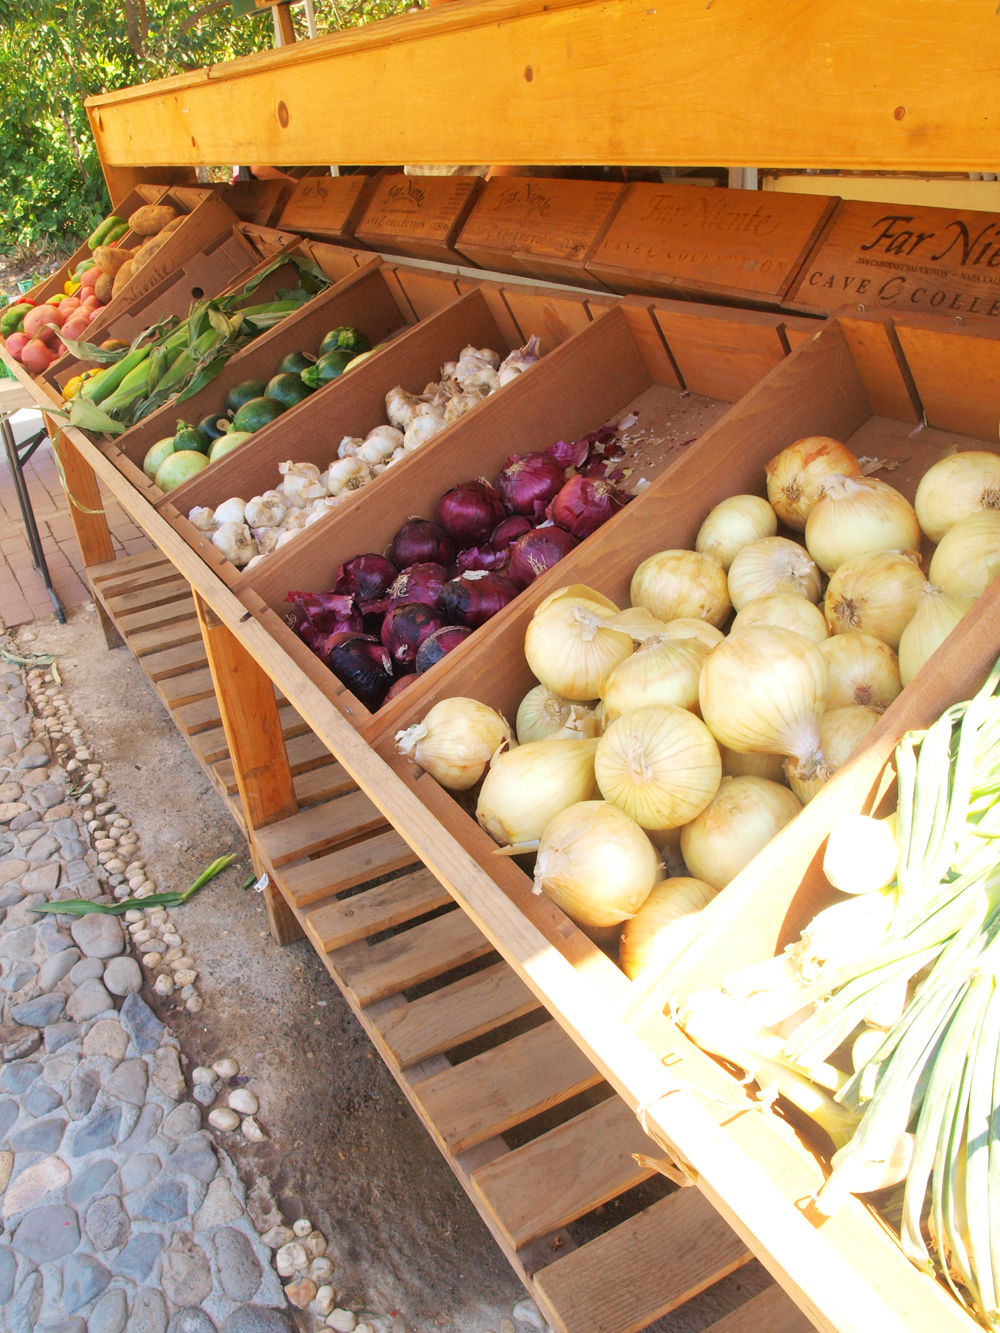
<point>415,212</point>
<point>907,259</point>
<point>729,242</point>
<point>327,207</point>
<point>558,219</point>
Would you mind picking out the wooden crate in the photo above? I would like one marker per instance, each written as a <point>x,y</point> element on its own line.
<point>904,258</point>
<point>672,240</point>
<point>328,208</point>
<point>540,228</point>
<point>419,215</point>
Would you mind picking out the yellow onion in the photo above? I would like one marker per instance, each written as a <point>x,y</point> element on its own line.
<point>967,559</point>
<point>732,525</point>
<point>855,515</point>
<point>664,925</point>
<point>527,787</point>
<point>581,595</point>
<point>773,564</point>
<point>568,648</point>
<point>673,584</point>
<point>788,611</point>
<point>841,731</point>
<point>955,488</point>
<point>544,716</point>
<point>455,741</point>
<point>659,764</point>
<point>736,765</point>
<point>742,818</point>
<point>860,854</point>
<point>874,594</point>
<point>636,622</point>
<point>661,671</point>
<point>596,864</point>
<point>687,628</point>
<point>764,691</point>
<point>936,616</point>
<point>796,475</point>
<point>863,670</point>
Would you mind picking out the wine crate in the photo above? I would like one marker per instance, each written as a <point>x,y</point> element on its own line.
<point>328,208</point>
<point>419,216</point>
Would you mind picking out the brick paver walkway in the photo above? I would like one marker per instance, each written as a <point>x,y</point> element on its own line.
<point>23,596</point>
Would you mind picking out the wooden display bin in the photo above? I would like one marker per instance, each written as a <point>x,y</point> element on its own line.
<point>328,208</point>
<point>419,215</point>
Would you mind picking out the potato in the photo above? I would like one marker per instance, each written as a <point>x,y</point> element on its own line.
<point>148,250</point>
<point>105,288</point>
<point>172,226</point>
<point>151,218</point>
<point>109,258</point>
<point>122,278</point>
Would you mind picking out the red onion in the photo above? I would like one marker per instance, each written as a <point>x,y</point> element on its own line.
<point>366,577</point>
<point>572,453</point>
<point>362,664</point>
<point>584,504</point>
<point>419,583</point>
<point>439,644</point>
<point>538,551</point>
<point>483,557</point>
<point>404,629</point>
<point>401,685</point>
<point>470,512</point>
<point>474,597</point>
<point>507,532</point>
<point>529,482</point>
<point>420,542</point>
<point>322,613</point>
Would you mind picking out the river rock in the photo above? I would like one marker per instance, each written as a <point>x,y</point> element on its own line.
<point>150,1118</point>
<point>128,1082</point>
<point>83,1278</point>
<point>11,869</point>
<point>185,1275</point>
<point>107,1037</point>
<point>90,1182</point>
<point>22,1312</point>
<point>8,1114</point>
<point>18,943</point>
<point>88,1000</point>
<point>167,1073</point>
<point>149,1312</point>
<point>219,1206</point>
<point>56,967</point>
<point>8,1274</point>
<point>84,1087</point>
<point>43,879</point>
<point>106,1223</point>
<point>138,1257</point>
<point>98,1132</point>
<point>98,935</point>
<point>182,1121</point>
<point>58,1035</point>
<point>87,969</point>
<point>47,1234</point>
<point>139,1171</point>
<point>123,976</point>
<point>239,1268</point>
<point>256,1319</point>
<point>141,1024</point>
<point>19,1076</point>
<point>42,1136</point>
<point>37,1013</point>
<point>33,1184</point>
<point>41,1099</point>
<point>195,1157</point>
<point>191,1321</point>
<point>110,1314</point>
<point>17,975</point>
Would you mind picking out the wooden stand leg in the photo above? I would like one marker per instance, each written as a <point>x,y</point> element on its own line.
<point>86,509</point>
<point>256,748</point>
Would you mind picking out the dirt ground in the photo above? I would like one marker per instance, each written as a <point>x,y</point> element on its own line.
<point>345,1148</point>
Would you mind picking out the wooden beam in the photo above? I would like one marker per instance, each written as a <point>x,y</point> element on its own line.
<point>794,83</point>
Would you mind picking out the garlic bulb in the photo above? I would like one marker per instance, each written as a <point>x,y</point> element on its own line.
<point>936,616</point>
<point>203,519</point>
<point>764,691</point>
<point>664,925</point>
<point>637,623</point>
<point>347,474</point>
<point>795,476</point>
<point>455,741</point>
<point>788,611</point>
<point>233,538</point>
<point>567,647</point>
<point>687,628</point>
<point>860,854</point>
<point>732,525</point>
<point>967,559</point>
<point>681,584</point>
<point>459,405</point>
<point>841,731</point>
<point>659,764</point>
<point>773,564</point>
<point>401,407</point>
<point>544,716</point>
<point>266,511</point>
<point>661,671</point>
<point>875,593</point>
<point>863,670</point>
<point>736,765</point>
<point>349,446</point>
<point>527,787</point>
<point>596,864</point>
<point>955,488</point>
<point>518,361</point>
<point>230,511</point>
<point>741,819</point>
<point>301,482</point>
<point>376,449</point>
<point>267,540</point>
<point>855,515</point>
<point>424,425</point>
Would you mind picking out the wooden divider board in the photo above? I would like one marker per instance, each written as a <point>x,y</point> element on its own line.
<point>667,240</point>
<point>327,207</point>
<point>419,215</point>
<point>540,228</point>
<point>904,258</point>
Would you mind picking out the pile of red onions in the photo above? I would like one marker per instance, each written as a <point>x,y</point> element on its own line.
<point>389,618</point>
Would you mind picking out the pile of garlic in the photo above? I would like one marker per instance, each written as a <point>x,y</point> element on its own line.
<point>247,531</point>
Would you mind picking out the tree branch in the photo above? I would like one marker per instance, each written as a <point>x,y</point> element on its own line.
<point>201,12</point>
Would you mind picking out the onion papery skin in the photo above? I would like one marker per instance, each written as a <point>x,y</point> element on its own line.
<point>529,482</point>
<point>732,525</point>
<point>483,557</point>
<point>787,610</point>
<point>527,787</point>
<point>544,716</point>
<point>660,671</point>
<point>469,513</point>
<point>736,765</point>
<point>674,585</point>
<point>455,742</point>
<point>439,644</point>
<point>687,627</point>
<point>596,864</point>
<point>420,542</point>
<point>955,488</point>
<point>362,664</point>
<point>967,559</point>
<point>367,578</point>
<point>570,453</point>
<point>404,629</point>
<point>636,622</point>
<point>583,505</point>
<point>659,764</point>
<point>774,564</point>
<point>742,818</point>
<point>795,476</point>
<point>419,583</point>
<point>856,515</point>
<point>400,685</point>
<point>475,597</point>
<point>538,551</point>
<point>569,650</point>
<point>317,615</point>
<point>874,594</point>
<point>936,616</point>
<point>664,925</point>
<point>506,533</point>
<point>764,691</point>
<point>863,670</point>
<point>841,731</point>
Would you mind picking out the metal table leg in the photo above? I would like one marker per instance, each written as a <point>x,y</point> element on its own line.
<point>17,456</point>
